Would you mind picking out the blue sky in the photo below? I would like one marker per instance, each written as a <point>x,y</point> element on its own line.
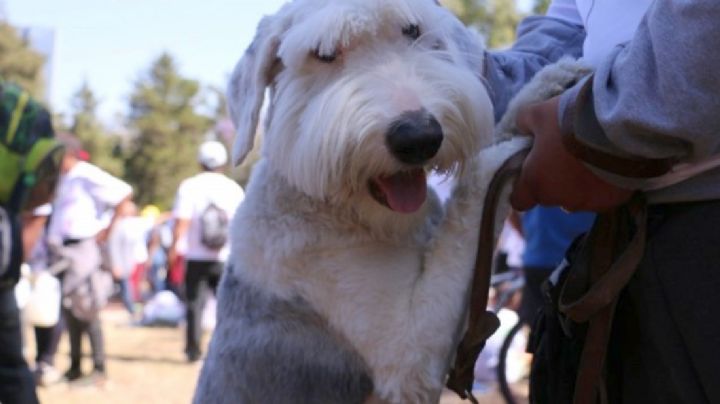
<point>110,43</point>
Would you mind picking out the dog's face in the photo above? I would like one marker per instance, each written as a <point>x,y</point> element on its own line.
<point>366,97</point>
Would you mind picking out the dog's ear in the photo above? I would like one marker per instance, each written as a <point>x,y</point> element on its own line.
<point>246,91</point>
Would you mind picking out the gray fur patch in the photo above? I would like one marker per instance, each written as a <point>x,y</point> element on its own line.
<point>267,350</point>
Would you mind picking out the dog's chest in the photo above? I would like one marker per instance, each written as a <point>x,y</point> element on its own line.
<point>364,292</point>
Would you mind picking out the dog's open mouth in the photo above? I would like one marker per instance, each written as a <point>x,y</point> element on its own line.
<point>403,192</point>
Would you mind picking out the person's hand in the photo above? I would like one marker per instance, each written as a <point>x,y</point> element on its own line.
<point>117,273</point>
<point>551,175</point>
<point>171,255</point>
<point>102,236</point>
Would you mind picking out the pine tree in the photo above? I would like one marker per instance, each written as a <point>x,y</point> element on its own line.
<point>102,147</point>
<point>20,64</point>
<point>167,131</point>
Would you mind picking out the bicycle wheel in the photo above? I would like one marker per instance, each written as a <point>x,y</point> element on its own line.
<point>502,366</point>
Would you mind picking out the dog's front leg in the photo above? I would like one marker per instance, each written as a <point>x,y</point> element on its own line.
<point>440,294</point>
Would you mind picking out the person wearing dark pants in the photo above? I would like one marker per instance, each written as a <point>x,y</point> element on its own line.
<point>204,206</point>
<point>17,384</point>
<point>76,327</point>
<point>47,340</point>
<point>201,279</point>
<point>76,233</point>
<point>29,173</point>
<point>80,310</point>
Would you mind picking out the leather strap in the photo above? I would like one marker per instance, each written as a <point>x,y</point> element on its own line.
<point>617,244</point>
<point>482,324</point>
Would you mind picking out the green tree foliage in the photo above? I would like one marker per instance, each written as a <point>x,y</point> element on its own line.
<point>541,6</point>
<point>495,19</point>
<point>504,21</point>
<point>19,63</point>
<point>167,131</point>
<point>103,147</point>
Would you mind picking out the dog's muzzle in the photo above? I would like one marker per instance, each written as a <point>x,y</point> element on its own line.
<point>415,137</point>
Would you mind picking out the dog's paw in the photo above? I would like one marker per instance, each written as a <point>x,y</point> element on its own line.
<point>549,82</point>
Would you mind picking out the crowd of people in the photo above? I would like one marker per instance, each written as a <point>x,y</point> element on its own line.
<point>79,241</point>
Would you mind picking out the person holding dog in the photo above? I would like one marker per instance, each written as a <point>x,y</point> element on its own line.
<point>204,205</point>
<point>643,125</point>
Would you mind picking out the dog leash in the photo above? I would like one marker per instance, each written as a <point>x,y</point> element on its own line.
<point>481,323</point>
<point>612,252</point>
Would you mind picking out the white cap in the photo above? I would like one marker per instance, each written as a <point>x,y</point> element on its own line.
<point>212,154</point>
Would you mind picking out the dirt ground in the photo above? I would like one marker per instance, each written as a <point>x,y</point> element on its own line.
<point>147,365</point>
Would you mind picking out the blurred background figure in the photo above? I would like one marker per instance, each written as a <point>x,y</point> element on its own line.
<point>76,231</point>
<point>204,206</point>
<point>42,310</point>
<point>29,167</point>
<point>156,265</point>
<point>128,254</point>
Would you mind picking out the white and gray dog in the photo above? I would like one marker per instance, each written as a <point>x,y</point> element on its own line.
<point>348,279</point>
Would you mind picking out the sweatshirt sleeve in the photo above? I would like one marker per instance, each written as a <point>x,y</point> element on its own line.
<point>541,40</point>
<point>653,102</point>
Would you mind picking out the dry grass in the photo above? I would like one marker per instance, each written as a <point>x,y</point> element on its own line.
<point>146,365</point>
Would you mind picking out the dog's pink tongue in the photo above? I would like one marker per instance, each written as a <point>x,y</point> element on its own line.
<point>404,192</point>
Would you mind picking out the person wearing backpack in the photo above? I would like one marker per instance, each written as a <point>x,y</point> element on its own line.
<point>204,206</point>
<point>30,159</point>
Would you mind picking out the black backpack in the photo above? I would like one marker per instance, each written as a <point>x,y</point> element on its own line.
<point>214,227</point>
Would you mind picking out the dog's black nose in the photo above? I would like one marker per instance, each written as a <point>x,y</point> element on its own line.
<point>414,137</point>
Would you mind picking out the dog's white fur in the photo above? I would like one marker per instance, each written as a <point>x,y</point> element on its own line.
<point>392,286</point>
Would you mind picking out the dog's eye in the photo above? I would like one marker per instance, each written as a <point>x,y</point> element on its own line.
<point>411,31</point>
<point>324,57</point>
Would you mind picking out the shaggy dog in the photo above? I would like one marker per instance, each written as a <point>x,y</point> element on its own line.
<point>348,279</point>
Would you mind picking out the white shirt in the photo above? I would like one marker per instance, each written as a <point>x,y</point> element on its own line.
<point>608,23</point>
<point>127,244</point>
<point>193,196</point>
<point>84,194</point>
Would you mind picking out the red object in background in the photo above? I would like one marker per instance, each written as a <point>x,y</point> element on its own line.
<point>83,155</point>
<point>176,274</point>
<point>136,278</point>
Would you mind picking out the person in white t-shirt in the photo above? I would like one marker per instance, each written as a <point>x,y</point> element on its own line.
<point>77,226</point>
<point>204,206</point>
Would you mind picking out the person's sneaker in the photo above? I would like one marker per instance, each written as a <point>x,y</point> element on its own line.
<point>72,374</point>
<point>46,374</point>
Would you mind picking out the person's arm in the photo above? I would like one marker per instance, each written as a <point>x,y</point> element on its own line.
<point>120,207</point>
<point>182,212</point>
<point>110,191</point>
<point>541,40</point>
<point>32,228</point>
<point>179,232</point>
<point>652,103</point>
